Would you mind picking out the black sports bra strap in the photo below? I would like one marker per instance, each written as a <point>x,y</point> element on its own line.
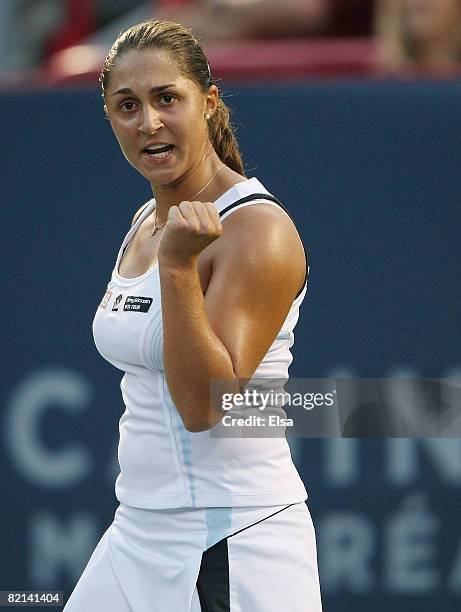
<point>255,196</point>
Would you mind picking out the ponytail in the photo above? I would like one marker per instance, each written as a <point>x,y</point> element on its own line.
<point>223,139</point>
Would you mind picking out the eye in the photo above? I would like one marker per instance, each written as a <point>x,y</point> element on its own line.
<point>167,99</point>
<point>127,106</point>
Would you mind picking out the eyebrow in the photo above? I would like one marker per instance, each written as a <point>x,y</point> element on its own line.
<point>127,90</point>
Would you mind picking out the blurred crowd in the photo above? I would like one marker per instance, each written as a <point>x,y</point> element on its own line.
<point>420,34</point>
<point>415,35</point>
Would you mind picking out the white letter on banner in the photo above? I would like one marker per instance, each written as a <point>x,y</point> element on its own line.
<point>55,547</point>
<point>403,459</point>
<point>30,401</point>
<point>341,460</point>
<point>409,548</point>
<point>346,546</point>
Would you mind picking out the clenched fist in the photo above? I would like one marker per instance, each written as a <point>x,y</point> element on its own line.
<point>190,228</point>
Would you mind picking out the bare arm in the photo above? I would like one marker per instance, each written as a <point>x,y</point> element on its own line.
<point>226,333</point>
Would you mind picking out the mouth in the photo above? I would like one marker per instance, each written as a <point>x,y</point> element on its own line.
<point>160,152</point>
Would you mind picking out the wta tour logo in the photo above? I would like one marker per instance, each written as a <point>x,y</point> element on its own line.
<point>118,299</point>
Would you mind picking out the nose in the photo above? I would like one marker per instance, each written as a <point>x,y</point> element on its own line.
<point>151,121</point>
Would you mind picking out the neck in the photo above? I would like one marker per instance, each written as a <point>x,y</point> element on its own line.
<point>187,188</point>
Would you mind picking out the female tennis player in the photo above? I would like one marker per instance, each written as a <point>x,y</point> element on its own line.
<point>206,287</point>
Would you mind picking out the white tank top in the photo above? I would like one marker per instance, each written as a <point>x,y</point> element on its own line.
<point>162,465</point>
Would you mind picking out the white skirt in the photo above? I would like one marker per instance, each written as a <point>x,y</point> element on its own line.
<point>260,559</point>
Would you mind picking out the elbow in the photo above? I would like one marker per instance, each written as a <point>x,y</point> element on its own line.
<point>202,423</point>
<point>196,427</point>
<point>202,413</point>
<point>193,420</point>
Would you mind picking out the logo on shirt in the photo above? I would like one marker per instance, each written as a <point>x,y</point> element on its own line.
<point>136,303</point>
<point>118,299</point>
<point>105,299</point>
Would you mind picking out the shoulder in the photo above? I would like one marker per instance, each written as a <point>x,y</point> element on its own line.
<point>138,212</point>
<point>262,238</point>
<point>260,223</point>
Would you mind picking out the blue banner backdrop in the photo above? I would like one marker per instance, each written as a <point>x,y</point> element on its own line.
<point>370,173</point>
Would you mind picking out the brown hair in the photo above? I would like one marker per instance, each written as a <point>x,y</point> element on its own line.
<point>192,63</point>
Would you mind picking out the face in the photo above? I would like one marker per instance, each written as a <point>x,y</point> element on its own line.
<point>428,20</point>
<point>158,116</point>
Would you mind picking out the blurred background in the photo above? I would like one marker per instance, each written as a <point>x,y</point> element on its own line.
<point>348,111</point>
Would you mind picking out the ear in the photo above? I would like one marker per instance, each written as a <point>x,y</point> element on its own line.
<point>211,100</point>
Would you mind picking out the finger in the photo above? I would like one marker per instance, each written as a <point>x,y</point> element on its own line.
<point>207,224</point>
<point>188,212</point>
<point>208,214</point>
<point>214,214</point>
<point>187,209</point>
<point>174,214</point>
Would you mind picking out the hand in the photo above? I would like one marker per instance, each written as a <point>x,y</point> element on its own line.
<point>190,228</point>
